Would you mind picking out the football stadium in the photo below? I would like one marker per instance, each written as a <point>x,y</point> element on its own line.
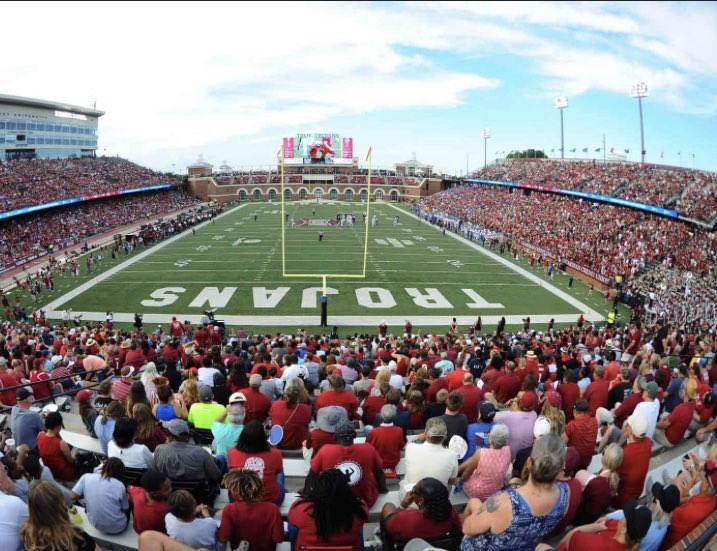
<point>324,346</point>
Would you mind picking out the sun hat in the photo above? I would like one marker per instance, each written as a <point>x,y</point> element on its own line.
<point>330,417</point>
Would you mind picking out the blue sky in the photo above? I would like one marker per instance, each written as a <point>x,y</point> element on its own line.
<point>229,80</point>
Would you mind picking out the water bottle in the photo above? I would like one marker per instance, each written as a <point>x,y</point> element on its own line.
<point>76,517</point>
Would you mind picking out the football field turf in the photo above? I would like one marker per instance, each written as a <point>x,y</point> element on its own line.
<point>240,265</point>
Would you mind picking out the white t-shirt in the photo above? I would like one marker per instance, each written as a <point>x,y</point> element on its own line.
<point>201,532</point>
<point>137,456</point>
<point>14,513</point>
<point>430,460</point>
<point>206,375</point>
<point>650,411</point>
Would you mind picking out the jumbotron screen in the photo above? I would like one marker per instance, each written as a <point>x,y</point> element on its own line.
<point>318,148</point>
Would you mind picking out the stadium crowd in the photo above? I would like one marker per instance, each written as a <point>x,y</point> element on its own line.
<point>31,236</point>
<point>692,193</point>
<point>342,176</point>
<point>607,239</point>
<point>27,182</point>
<point>532,409</point>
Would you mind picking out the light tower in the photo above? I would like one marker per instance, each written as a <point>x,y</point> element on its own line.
<point>561,103</point>
<point>485,135</point>
<point>640,91</point>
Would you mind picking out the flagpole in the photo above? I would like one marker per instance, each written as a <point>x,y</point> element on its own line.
<point>604,153</point>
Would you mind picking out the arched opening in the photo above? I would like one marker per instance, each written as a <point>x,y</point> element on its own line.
<point>303,194</point>
<point>242,195</point>
<point>318,194</point>
<point>364,195</point>
<point>333,194</point>
<point>272,194</point>
<point>287,194</point>
<point>349,195</point>
<point>256,195</point>
<point>379,195</point>
<point>394,195</point>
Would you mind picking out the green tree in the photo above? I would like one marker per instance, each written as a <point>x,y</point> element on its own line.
<point>527,154</point>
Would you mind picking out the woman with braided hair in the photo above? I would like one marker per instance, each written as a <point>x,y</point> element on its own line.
<point>329,514</point>
<point>434,516</point>
<point>248,517</point>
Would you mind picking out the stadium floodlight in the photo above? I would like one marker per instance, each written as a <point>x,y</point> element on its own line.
<point>485,135</point>
<point>561,103</point>
<point>640,91</point>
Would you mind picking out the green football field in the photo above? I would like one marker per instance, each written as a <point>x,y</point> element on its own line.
<point>241,266</point>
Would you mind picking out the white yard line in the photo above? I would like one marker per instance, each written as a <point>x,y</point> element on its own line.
<point>584,308</point>
<point>51,307</point>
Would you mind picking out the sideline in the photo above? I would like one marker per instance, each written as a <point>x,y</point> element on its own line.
<point>588,312</point>
<point>51,307</point>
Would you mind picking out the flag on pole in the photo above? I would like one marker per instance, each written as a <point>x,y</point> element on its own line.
<point>552,151</point>
<point>573,150</point>
<point>585,149</point>
<point>598,150</point>
<point>627,151</point>
<point>368,155</point>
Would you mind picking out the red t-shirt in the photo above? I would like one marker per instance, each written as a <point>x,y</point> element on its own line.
<point>436,386</point>
<point>603,540</point>
<point>582,434</point>
<point>626,408</point>
<point>300,515</point>
<point>507,387</point>
<point>371,408</point>
<point>569,392</point>
<point>7,397</point>
<point>411,523</point>
<point>257,405</point>
<point>633,470</point>
<point>597,394</point>
<point>358,461</point>
<point>686,517</point>
<point>41,391</point>
<point>295,423</point>
<point>344,398</point>
<point>318,438</point>
<point>259,524</point>
<point>267,464</point>
<point>680,420</point>
<point>388,441</point>
<point>472,396</point>
<point>146,515</point>
<point>53,458</point>
<point>455,379</point>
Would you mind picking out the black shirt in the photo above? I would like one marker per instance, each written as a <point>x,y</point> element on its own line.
<point>456,424</point>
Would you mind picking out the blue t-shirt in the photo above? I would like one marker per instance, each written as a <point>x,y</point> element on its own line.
<point>106,502</point>
<point>653,539</point>
<point>104,432</point>
<point>477,438</point>
<point>674,399</point>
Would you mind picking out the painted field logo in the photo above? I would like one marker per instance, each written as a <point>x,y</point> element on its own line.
<point>315,222</point>
<point>396,243</point>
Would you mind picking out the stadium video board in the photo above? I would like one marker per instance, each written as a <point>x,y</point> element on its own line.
<point>318,148</point>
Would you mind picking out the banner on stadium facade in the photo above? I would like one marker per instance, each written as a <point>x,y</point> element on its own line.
<point>320,148</point>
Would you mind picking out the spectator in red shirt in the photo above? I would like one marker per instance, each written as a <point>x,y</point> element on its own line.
<point>7,397</point>
<point>338,396</point>
<point>249,518</point>
<point>635,460</point>
<point>671,428</point>
<point>569,392</point>
<point>122,386</point>
<point>437,383</point>
<point>581,433</point>
<point>329,514</point>
<point>625,409</point>
<point>360,462</point>
<point>327,419</point>
<point>294,418</point>
<point>597,392</point>
<point>372,405</point>
<point>149,501</point>
<point>690,514</point>
<point>257,405</point>
<point>387,438</point>
<point>506,387</point>
<point>472,397</point>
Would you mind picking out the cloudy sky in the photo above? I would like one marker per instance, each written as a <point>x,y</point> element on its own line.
<point>229,80</point>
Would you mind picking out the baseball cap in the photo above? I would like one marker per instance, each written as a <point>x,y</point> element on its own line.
<point>23,393</point>
<point>554,398</point>
<point>127,371</point>
<point>3,361</point>
<point>638,424</point>
<point>177,427</point>
<point>667,496</point>
<point>436,428</point>
<point>255,380</point>
<point>205,393</point>
<point>541,427</point>
<point>527,401</point>
<point>487,411</point>
<point>652,389</point>
<point>330,417</point>
<point>345,431</point>
<point>604,416</point>
<point>638,519</point>
<point>237,397</point>
<point>83,396</point>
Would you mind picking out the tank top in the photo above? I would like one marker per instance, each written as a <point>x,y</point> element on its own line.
<point>165,412</point>
<point>53,458</point>
<point>489,475</point>
<point>525,530</point>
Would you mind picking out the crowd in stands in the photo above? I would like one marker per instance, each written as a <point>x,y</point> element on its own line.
<point>531,410</point>
<point>692,193</point>
<point>32,236</point>
<point>342,176</point>
<point>607,239</point>
<point>27,182</point>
